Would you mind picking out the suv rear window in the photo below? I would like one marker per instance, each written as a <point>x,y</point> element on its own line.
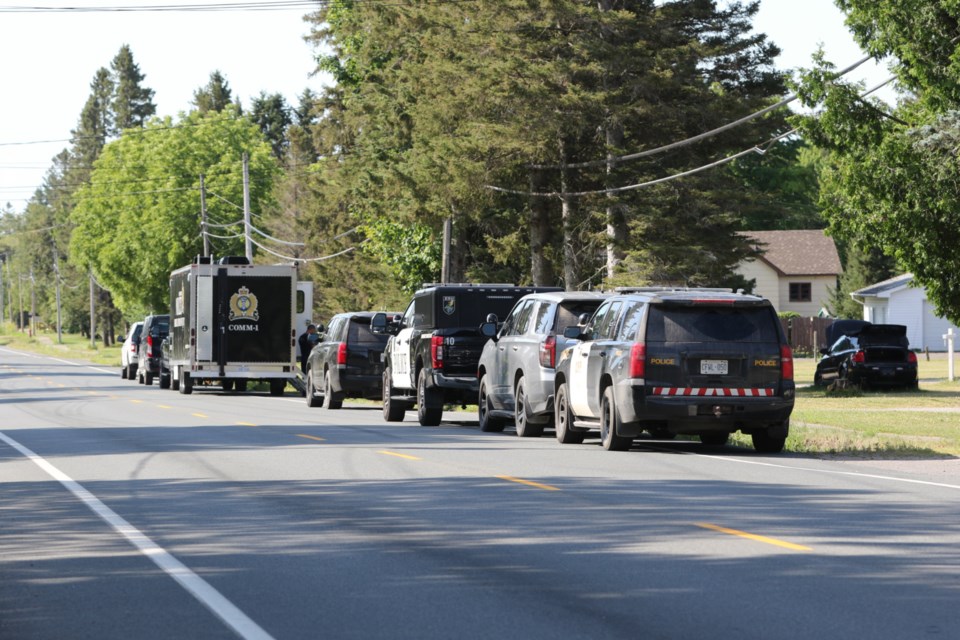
<point>360,333</point>
<point>716,324</point>
<point>470,309</point>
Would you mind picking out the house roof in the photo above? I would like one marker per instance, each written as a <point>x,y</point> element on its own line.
<point>798,253</point>
<point>885,288</point>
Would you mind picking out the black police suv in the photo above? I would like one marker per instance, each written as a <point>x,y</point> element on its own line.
<point>705,362</point>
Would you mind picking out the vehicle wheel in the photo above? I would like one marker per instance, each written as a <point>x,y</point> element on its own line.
<point>241,385</point>
<point>148,378</point>
<point>487,423</point>
<point>392,411</point>
<point>311,394</point>
<point>131,371</point>
<point>186,383</point>
<point>174,380</point>
<point>610,424</point>
<point>564,419</point>
<point>277,387</point>
<point>164,380</point>
<point>521,416</point>
<point>429,403</point>
<point>329,400</point>
<point>771,440</point>
<point>226,385</point>
<point>817,379</point>
<point>123,372</point>
<point>714,439</point>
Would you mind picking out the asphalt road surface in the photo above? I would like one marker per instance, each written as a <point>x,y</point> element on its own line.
<point>135,513</point>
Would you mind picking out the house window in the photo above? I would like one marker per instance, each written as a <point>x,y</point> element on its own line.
<point>800,292</point>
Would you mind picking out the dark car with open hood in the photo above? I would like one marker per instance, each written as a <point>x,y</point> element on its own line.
<point>867,355</point>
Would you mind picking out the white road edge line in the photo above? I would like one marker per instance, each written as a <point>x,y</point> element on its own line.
<point>74,364</point>
<point>194,584</point>
<point>831,471</point>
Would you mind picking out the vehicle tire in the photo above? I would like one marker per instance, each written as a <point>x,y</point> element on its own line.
<point>521,414</point>
<point>392,411</point>
<point>123,373</point>
<point>487,422</point>
<point>566,434</point>
<point>131,371</point>
<point>817,379</point>
<point>330,401</point>
<point>241,385</point>
<point>277,387</point>
<point>610,424</point>
<point>148,378</point>
<point>164,380</point>
<point>771,440</point>
<point>174,380</point>
<point>186,383</point>
<point>139,377</point>
<point>311,395</point>
<point>226,385</point>
<point>429,403</point>
<point>715,438</point>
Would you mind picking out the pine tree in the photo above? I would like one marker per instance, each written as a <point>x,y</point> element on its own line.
<point>133,102</point>
<point>214,96</point>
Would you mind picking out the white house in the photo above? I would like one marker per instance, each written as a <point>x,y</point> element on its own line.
<point>899,301</point>
<point>797,270</point>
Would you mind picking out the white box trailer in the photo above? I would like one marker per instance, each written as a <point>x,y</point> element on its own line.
<point>232,323</point>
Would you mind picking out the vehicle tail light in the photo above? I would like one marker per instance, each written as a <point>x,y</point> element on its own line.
<point>342,353</point>
<point>548,352</point>
<point>638,360</point>
<point>911,357</point>
<point>786,362</point>
<point>436,352</point>
<point>149,346</point>
<point>859,357</point>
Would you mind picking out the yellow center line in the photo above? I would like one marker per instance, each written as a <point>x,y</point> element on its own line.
<point>163,406</point>
<point>246,424</point>
<point>318,439</point>
<point>752,536</point>
<point>399,455</point>
<point>529,483</point>
<point>199,415</point>
<point>136,401</point>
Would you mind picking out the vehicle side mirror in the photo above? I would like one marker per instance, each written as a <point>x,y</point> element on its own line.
<point>381,325</point>
<point>574,333</point>
<point>488,329</point>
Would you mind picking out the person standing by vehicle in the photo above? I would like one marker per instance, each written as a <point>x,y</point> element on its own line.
<point>307,340</point>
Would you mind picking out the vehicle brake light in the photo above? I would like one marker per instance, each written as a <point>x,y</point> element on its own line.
<point>436,352</point>
<point>638,360</point>
<point>859,357</point>
<point>786,362</point>
<point>548,352</point>
<point>149,346</point>
<point>911,357</point>
<point>342,353</point>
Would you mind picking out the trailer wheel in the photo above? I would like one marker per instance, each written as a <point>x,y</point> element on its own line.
<point>186,383</point>
<point>277,387</point>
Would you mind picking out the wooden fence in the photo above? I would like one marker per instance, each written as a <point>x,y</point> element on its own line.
<point>806,335</point>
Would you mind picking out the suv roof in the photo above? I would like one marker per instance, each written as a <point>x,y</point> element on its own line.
<point>685,294</point>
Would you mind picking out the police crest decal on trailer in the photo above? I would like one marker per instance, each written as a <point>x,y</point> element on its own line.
<point>449,305</point>
<point>243,305</point>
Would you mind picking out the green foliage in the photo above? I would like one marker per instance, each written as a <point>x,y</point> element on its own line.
<point>410,251</point>
<point>892,177</point>
<point>214,96</point>
<point>138,219</point>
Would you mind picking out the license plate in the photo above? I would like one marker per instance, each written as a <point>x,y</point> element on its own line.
<point>714,367</point>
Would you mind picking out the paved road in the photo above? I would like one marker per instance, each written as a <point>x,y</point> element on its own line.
<point>131,512</point>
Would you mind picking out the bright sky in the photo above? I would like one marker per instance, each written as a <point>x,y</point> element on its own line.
<point>47,61</point>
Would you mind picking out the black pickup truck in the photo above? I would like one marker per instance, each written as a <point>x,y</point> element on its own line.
<point>432,355</point>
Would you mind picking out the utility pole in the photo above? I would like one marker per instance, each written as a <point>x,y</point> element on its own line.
<point>56,274</point>
<point>203,217</point>
<point>93,314</point>
<point>33,304</point>
<point>445,261</point>
<point>3,307</point>
<point>20,291</point>
<point>246,207</point>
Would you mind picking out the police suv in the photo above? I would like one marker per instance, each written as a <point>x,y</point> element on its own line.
<point>705,362</point>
